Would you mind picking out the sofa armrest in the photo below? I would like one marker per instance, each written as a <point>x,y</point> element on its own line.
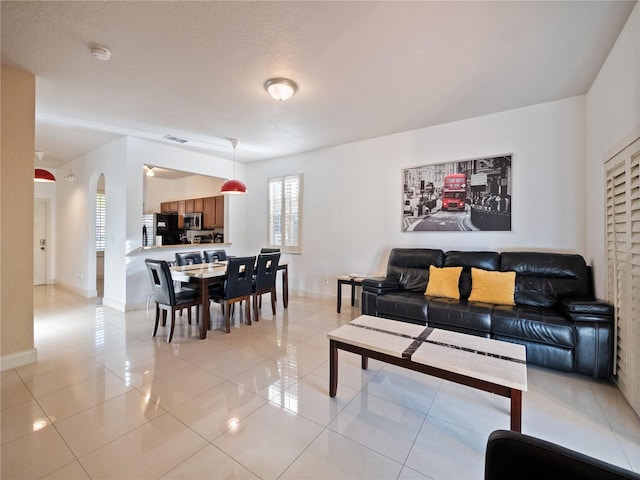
<point>587,310</point>
<point>379,285</point>
<point>515,455</point>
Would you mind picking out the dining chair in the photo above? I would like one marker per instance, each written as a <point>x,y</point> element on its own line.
<point>265,281</point>
<point>188,258</point>
<point>165,296</point>
<point>269,250</point>
<point>236,288</point>
<point>215,256</point>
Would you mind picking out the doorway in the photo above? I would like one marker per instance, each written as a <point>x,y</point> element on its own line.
<point>40,241</point>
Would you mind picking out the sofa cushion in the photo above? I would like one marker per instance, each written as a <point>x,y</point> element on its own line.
<point>536,324</point>
<point>544,279</point>
<point>492,287</point>
<point>410,267</point>
<point>443,282</point>
<point>459,315</point>
<point>403,305</point>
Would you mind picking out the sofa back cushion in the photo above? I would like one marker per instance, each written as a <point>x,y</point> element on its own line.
<point>466,260</point>
<point>544,279</point>
<point>410,267</point>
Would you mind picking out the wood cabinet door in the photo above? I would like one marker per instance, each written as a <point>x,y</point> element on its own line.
<point>209,212</point>
<point>188,206</point>
<point>198,205</point>
<point>219,211</point>
<point>164,207</point>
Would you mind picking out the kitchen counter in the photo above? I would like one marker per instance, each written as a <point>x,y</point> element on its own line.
<point>197,246</point>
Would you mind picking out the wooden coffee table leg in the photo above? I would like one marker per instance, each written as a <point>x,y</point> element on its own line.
<point>333,368</point>
<point>516,410</point>
<point>365,362</point>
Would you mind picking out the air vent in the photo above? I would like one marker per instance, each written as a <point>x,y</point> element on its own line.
<point>171,138</point>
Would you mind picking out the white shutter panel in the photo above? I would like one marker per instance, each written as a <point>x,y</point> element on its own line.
<point>623,265</point>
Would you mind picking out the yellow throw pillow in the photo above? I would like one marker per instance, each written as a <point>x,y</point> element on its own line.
<point>443,282</point>
<point>492,287</point>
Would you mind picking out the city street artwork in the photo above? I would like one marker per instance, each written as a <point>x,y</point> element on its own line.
<point>467,195</point>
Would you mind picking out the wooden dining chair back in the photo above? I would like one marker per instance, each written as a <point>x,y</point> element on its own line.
<point>215,256</point>
<point>165,296</point>
<point>188,258</point>
<point>265,281</point>
<point>237,288</point>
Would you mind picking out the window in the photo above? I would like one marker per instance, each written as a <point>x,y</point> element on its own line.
<point>101,222</point>
<point>285,212</point>
<point>622,189</point>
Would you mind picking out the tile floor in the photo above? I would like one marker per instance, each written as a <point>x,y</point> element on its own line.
<point>106,400</point>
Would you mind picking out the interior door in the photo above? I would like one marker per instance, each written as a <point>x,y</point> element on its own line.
<point>40,241</point>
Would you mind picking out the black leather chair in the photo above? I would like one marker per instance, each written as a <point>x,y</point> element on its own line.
<point>236,288</point>
<point>188,258</point>
<point>215,256</point>
<point>165,296</point>
<point>512,455</point>
<point>265,281</point>
<point>269,250</point>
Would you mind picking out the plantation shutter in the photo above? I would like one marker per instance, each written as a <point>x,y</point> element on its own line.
<point>623,266</point>
<point>101,221</point>
<point>285,212</point>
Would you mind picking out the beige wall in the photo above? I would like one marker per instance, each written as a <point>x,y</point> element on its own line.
<point>16,218</point>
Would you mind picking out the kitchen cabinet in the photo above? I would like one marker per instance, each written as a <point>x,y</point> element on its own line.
<point>198,205</point>
<point>213,212</point>
<point>169,207</point>
<point>188,206</point>
<point>220,211</point>
<point>181,212</point>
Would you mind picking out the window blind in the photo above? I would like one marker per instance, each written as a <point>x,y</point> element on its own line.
<point>622,190</point>
<point>284,222</point>
<point>101,221</point>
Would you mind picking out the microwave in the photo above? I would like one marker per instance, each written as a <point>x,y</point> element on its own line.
<point>193,221</point>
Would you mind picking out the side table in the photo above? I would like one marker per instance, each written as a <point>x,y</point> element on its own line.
<point>354,281</point>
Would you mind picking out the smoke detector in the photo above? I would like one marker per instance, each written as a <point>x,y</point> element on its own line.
<point>100,52</point>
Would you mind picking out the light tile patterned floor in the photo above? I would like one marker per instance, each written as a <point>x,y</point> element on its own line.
<point>106,400</point>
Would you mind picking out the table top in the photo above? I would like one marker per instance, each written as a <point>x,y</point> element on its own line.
<point>204,270</point>
<point>495,361</point>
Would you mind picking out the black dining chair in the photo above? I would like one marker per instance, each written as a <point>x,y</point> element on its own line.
<point>188,258</point>
<point>165,296</point>
<point>236,288</point>
<point>265,281</point>
<point>269,250</point>
<point>215,256</point>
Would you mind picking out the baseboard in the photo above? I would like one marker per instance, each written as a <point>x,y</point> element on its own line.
<point>121,307</point>
<point>20,359</point>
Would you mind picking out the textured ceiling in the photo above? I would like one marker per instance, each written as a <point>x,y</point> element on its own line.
<point>196,69</point>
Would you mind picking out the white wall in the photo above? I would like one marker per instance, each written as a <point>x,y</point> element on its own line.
<point>353,193</point>
<point>613,111</point>
<point>75,222</point>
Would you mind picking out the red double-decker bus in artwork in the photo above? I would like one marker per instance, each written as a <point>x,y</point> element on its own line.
<point>454,192</point>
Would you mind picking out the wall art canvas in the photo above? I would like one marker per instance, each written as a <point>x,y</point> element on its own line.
<point>467,195</point>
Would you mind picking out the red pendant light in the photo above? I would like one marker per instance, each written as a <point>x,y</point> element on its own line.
<point>232,186</point>
<point>41,175</point>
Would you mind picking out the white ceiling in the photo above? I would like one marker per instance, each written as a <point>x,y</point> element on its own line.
<point>196,70</point>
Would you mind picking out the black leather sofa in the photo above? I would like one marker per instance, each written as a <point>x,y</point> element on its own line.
<point>555,315</point>
<point>512,455</point>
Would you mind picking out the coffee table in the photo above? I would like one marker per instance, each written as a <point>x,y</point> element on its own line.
<point>490,365</point>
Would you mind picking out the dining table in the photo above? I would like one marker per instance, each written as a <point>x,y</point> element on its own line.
<point>207,273</point>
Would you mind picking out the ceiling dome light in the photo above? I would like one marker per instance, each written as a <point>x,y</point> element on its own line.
<point>280,88</point>
<point>100,52</point>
